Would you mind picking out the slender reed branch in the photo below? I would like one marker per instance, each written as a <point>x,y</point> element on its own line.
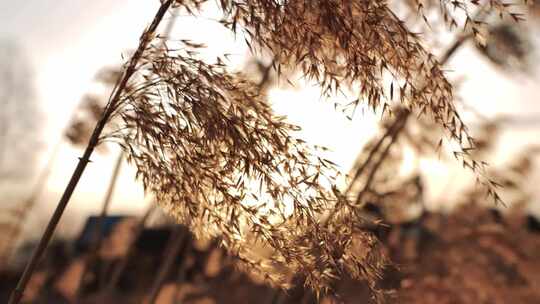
<point>119,269</point>
<point>173,248</point>
<point>371,154</point>
<point>145,39</point>
<point>452,49</point>
<point>181,277</point>
<point>399,125</point>
<point>97,235</point>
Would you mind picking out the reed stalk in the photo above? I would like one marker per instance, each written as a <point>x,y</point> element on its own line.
<point>174,246</point>
<point>131,68</point>
<point>119,269</point>
<point>97,235</point>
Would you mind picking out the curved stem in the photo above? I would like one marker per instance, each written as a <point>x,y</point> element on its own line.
<point>146,37</point>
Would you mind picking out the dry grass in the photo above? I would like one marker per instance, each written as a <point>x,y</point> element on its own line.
<point>220,161</point>
<point>208,146</point>
<point>206,143</point>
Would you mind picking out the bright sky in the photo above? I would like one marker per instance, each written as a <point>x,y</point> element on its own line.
<point>70,40</point>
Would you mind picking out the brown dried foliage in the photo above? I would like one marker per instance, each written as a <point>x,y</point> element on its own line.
<point>357,45</point>
<point>208,146</point>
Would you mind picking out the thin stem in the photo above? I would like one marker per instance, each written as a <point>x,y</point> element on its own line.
<point>146,37</point>
<point>119,269</point>
<point>174,245</point>
<point>399,125</point>
<point>117,272</point>
<point>450,51</point>
<point>371,154</point>
<point>97,236</point>
<point>444,59</point>
<point>454,47</point>
<point>182,270</point>
<point>391,132</point>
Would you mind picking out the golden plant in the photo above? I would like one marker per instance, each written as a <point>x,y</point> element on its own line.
<point>207,145</point>
<point>362,44</point>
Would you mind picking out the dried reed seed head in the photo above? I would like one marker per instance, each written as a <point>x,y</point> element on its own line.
<point>207,145</point>
<point>356,44</point>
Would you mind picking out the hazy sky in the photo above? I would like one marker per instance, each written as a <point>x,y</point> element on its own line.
<point>68,41</point>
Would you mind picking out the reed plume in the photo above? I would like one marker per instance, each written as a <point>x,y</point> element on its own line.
<point>364,46</point>
<point>206,143</point>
